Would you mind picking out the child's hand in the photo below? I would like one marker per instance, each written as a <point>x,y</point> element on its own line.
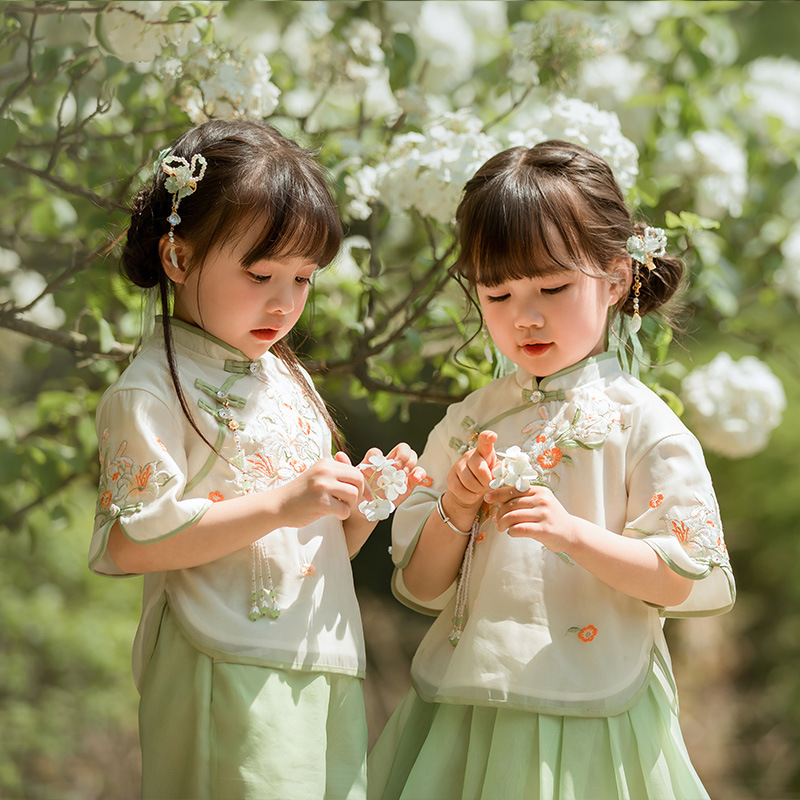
<point>536,514</point>
<point>402,458</point>
<point>328,487</point>
<point>468,479</point>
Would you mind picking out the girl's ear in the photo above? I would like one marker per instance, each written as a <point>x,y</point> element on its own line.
<point>173,258</point>
<point>622,273</point>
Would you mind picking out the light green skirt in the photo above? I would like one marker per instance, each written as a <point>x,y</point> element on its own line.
<point>217,731</point>
<point>437,751</point>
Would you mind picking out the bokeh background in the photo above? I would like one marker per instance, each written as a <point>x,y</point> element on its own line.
<point>696,105</point>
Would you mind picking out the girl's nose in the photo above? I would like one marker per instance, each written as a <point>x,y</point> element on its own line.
<point>527,316</point>
<point>280,300</point>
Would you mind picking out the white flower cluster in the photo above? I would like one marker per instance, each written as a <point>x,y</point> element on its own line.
<point>717,165</point>
<point>515,469</point>
<point>136,31</point>
<point>389,480</point>
<point>586,124</point>
<point>225,86</point>
<point>23,287</point>
<point>424,171</point>
<point>773,87</point>
<point>733,406</point>
<point>787,278</point>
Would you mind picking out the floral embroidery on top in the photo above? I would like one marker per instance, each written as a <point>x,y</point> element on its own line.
<point>585,634</point>
<point>656,500</point>
<point>287,444</point>
<point>536,461</point>
<point>216,497</point>
<point>124,485</point>
<point>700,533</point>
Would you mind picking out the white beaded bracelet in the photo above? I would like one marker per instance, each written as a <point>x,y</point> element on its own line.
<point>446,519</point>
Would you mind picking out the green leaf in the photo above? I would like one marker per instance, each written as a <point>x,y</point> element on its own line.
<point>9,133</point>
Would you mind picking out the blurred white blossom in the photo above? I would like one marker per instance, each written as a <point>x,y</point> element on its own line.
<point>446,42</point>
<point>787,278</point>
<point>773,87</point>
<point>139,31</point>
<point>224,86</point>
<point>425,171</point>
<point>586,124</point>
<point>733,406</point>
<point>23,288</point>
<point>9,260</point>
<point>717,166</point>
<point>611,79</point>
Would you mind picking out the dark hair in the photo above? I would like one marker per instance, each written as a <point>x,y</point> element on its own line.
<point>254,176</point>
<point>526,208</point>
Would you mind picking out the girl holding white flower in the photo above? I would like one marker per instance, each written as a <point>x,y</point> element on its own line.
<point>571,511</point>
<point>217,483</point>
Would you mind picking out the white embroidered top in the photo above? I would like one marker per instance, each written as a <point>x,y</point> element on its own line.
<point>157,477</point>
<point>542,633</point>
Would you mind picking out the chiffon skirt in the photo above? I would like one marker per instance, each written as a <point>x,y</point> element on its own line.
<point>437,751</point>
<point>217,731</point>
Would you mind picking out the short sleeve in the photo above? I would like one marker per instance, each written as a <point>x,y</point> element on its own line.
<point>410,519</point>
<point>672,507</point>
<point>143,474</point>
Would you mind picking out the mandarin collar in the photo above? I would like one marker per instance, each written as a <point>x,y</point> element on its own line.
<point>586,371</point>
<point>205,346</point>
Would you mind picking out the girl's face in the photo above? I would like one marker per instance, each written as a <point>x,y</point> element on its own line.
<point>546,324</point>
<point>249,308</point>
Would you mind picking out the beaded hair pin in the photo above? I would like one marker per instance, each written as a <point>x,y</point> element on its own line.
<point>652,243</point>
<point>182,179</point>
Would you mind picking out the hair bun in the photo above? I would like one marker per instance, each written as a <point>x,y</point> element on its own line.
<point>140,258</point>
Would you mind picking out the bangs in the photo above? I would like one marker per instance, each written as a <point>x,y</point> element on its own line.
<point>304,226</point>
<point>511,229</point>
<point>294,210</point>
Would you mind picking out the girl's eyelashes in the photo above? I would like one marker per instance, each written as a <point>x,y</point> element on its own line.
<point>497,298</point>
<point>301,279</point>
<point>555,289</point>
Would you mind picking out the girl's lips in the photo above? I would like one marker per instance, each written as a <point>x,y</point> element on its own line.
<point>537,348</point>
<point>265,334</point>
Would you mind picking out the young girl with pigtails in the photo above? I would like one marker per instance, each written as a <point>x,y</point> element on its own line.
<point>571,512</point>
<point>218,484</point>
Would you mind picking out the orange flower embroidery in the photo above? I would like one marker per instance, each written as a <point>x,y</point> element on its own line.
<point>587,634</point>
<point>115,476</point>
<point>541,438</point>
<point>680,530</point>
<point>162,445</point>
<point>105,499</point>
<point>261,464</point>
<point>304,426</point>
<point>215,497</point>
<point>297,466</point>
<point>141,479</point>
<point>426,481</point>
<point>549,458</point>
<point>307,570</point>
<point>656,500</point>
<point>481,537</point>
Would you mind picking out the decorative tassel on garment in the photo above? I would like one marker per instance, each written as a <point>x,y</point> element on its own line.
<point>462,592</point>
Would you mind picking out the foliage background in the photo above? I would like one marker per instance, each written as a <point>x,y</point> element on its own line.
<point>707,95</point>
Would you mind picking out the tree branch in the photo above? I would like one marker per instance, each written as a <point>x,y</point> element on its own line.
<point>100,202</point>
<point>73,341</point>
